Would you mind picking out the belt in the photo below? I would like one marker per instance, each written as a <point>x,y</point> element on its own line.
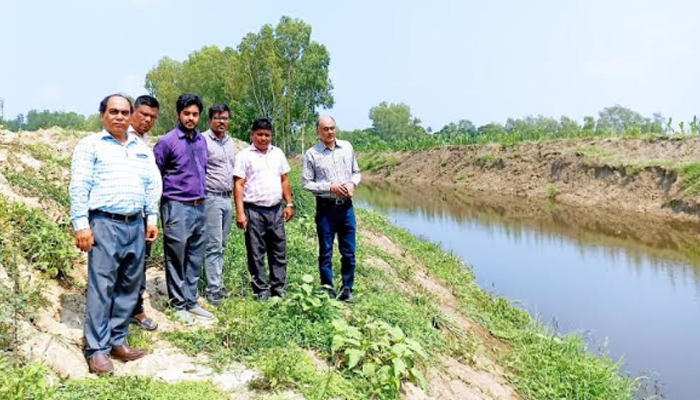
<point>333,202</point>
<point>253,205</point>
<point>220,194</point>
<point>193,203</point>
<point>116,217</point>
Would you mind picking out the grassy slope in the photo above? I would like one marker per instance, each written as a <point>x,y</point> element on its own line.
<point>275,335</point>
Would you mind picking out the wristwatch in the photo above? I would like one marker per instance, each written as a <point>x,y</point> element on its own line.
<point>289,205</point>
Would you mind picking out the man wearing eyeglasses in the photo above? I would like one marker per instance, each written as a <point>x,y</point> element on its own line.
<point>217,203</point>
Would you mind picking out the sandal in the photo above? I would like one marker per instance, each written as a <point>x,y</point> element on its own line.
<point>147,324</point>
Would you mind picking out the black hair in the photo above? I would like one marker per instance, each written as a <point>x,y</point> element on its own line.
<point>146,100</point>
<point>186,99</point>
<point>103,103</point>
<point>218,109</point>
<point>262,123</point>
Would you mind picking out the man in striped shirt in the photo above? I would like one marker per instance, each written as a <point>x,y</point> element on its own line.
<point>111,185</point>
<point>142,120</point>
<point>260,183</point>
<point>331,173</point>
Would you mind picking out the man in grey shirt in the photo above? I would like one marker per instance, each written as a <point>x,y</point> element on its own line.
<point>217,204</point>
<point>331,173</point>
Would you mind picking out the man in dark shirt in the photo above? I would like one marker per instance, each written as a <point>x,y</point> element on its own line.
<point>181,156</point>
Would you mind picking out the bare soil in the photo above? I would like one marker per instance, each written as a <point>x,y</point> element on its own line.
<point>633,175</point>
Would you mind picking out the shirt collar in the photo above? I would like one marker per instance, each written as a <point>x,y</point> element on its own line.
<point>130,136</point>
<point>255,149</point>
<point>322,146</point>
<point>213,136</point>
<point>181,134</point>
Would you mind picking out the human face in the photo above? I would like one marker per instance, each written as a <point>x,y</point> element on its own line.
<point>115,118</point>
<point>143,119</point>
<point>219,123</point>
<point>189,117</point>
<point>261,139</point>
<point>326,131</point>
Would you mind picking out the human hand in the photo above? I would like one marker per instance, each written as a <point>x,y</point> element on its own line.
<point>288,213</point>
<point>242,221</point>
<point>84,239</point>
<point>151,233</point>
<point>350,187</point>
<point>339,190</point>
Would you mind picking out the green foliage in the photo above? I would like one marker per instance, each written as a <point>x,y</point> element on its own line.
<point>374,161</point>
<point>24,381</point>
<point>35,120</point>
<point>394,122</point>
<point>307,299</point>
<point>550,367</point>
<point>378,352</point>
<point>40,241</point>
<point>551,192</point>
<point>277,72</point>
<point>39,185</point>
<point>291,368</point>
<point>130,388</point>
<point>690,178</point>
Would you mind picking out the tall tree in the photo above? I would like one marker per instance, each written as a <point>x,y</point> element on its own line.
<point>394,122</point>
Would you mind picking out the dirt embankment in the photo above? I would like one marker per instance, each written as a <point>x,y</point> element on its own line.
<point>653,176</point>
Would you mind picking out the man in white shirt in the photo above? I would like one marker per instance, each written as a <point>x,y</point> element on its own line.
<point>260,177</point>
<point>141,122</point>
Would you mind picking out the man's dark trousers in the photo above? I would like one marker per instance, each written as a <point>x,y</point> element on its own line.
<point>332,219</point>
<point>184,239</point>
<point>139,302</point>
<point>265,235</point>
<point>115,266</point>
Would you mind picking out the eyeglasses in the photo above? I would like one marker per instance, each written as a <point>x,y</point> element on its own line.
<point>221,119</point>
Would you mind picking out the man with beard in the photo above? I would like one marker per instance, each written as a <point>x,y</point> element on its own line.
<point>181,155</point>
<point>217,205</point>
<point>142,120</point>
<point>111,186</point>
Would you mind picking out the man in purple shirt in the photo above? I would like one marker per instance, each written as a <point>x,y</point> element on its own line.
<point>181,156</point>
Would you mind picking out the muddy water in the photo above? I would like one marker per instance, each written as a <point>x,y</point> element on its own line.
<point>628,282</point>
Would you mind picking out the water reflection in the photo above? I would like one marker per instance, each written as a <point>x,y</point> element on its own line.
<point>629,278</point>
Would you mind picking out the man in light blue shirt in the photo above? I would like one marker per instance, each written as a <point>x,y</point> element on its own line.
<point>111,186</point>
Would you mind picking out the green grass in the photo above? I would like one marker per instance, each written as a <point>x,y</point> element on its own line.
<point>130,388</point>
<point>44,244</point>
<point>375,161</point>
<point>690,178</point>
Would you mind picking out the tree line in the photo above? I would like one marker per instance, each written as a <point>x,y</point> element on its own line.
<point>395,128</point>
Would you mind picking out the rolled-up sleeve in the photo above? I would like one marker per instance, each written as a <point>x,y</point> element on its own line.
<point>356,176</point>
<point>81,181</point>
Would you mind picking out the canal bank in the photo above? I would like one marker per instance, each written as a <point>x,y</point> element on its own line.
<point>626,281</point>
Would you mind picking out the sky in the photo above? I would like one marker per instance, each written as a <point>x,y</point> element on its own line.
<point>448,60</point>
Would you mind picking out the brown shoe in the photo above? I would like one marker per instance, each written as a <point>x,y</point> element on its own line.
<point>100,364</point>
<point>127,353</point>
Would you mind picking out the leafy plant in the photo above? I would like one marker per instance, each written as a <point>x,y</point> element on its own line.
<point>305,299</point>
<point>551,192</point>
<point>379,352</point>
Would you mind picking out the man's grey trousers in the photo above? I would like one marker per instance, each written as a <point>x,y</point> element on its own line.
<point>219,216</point>
<point>184,238</point>
<point>115,271</point>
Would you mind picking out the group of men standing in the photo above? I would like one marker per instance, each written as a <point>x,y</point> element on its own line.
<point>118,181</point>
